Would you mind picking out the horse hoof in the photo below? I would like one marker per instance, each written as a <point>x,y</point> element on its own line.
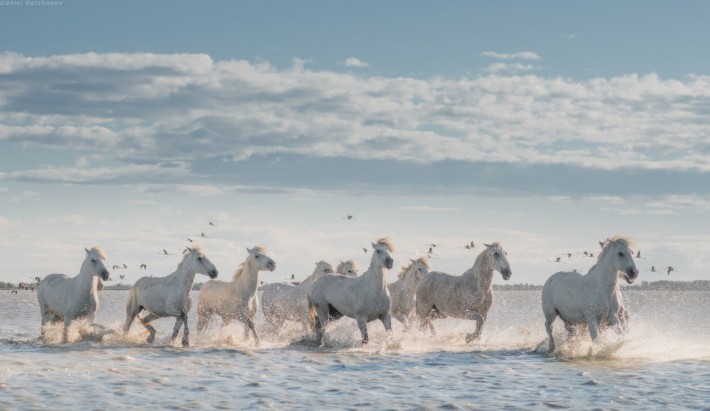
<point>186,344</point>
<point>365,341</point>
<point>470,338</point>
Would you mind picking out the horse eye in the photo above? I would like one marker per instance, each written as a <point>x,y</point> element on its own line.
<point>621,254</point>
<point>93,260</point>
<point>199,258</point>
<point>496,255</point>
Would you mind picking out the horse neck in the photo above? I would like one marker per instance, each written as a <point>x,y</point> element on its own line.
<point>311,278</point>
<point>375,275</point>
<point>481,274</point>
<point>249,277</point>
<point>185,277</point>
<point>408,280</point>
<point>86,278</point>
<point>604,274</point>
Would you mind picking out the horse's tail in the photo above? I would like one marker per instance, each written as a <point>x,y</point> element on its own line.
<point>311,314</point>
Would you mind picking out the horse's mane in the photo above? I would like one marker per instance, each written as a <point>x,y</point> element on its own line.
<point>387,243</point>
<point>99,251</point>
<point>240,269</point>
<point>423,260</point>
<point>620,239</point>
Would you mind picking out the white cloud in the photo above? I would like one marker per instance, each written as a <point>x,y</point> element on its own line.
<point>153,112</point>
<point>523,55</point>
<point>496,68</point>
<point>355,62</point>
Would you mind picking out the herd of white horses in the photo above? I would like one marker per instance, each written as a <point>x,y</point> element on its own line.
<point>593,300</point>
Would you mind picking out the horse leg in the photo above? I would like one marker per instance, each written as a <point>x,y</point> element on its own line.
<point>203,319</point>
<point>185,331</point>
<point>624,320</point>
<point>132,310</point>
<point>362,325</point>
<point>65,333</point>
<point>46,318</point>
<point>593,329</point>
<point>321,320</point>
<point>250,324</point>
<point>387,323</point>
<point>549,319</point>
<point>145,322</point>
<point>480,320</point>
<point>179,321</point>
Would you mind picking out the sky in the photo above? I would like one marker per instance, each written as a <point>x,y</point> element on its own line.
<point>548,126</point>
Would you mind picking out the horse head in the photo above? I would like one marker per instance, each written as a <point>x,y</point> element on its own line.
<point>383,249</point>
<point>263,261</point>
<point>418,267</point>
<point>199,261</point>
<point>498,260</point>
<point>348,268</point>
<point>95,262</point>
<point>323,267</point>
<point>622,258</point>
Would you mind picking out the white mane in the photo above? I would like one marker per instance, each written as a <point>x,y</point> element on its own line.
<point>99,252</point>
<point>387,243</point>
<point>187,252</point>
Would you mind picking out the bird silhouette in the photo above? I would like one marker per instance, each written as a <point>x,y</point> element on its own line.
<point>669,269</point>
<point>653,268</point>
<point>189,239</point>
<point>348,217</point>
<point>125,266</point>
<point>557,260</point>
<point>122,276</point>
<point>638,254</point>
<point>115,267</point>
<point>212,224</point>
<point>569,255</point>
<point>364,250</point>
<point>203,235</point>
<point>144,266</point>
<point>165,252</point>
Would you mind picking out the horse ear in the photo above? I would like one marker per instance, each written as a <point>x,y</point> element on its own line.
<point>601,244</point>
<point>87,250</point>
<point>412,260</point>
<point>248,250</point>
<point>373,245</point>
<point>487,245</point>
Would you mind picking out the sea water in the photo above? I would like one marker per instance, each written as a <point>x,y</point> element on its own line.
<point>663,362</point>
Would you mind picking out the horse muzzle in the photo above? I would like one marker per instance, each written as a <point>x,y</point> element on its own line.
<point>213,274</point>
<point>389,263</point>
<point>271,266</point>
<point>506,273</point>
<point>104,275</point>
<point>631,274</point>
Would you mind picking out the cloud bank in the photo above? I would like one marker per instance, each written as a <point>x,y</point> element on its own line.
<point>169,117</point>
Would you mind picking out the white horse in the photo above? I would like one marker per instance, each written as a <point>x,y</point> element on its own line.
<point>364,298</point>
<point>468,296</point>
<point>284,301</point>
<point>168,296</point>
<point>402,290</point>
<point>348,268</point>
<point>590,299</point>
<point>235,300</point>
<point>64,298</point>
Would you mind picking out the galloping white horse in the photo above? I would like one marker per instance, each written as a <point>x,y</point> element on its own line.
<point>284,301</point>
<point>62,297</point>
<point>348,268</point>
<point>235,300</point>
<point>364,298</point>
<point>468,296</point>
<point>590,299</point>
<point>402,290</point>
<point>168,296</point>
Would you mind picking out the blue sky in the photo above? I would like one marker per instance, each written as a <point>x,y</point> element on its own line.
<point>547,126</point>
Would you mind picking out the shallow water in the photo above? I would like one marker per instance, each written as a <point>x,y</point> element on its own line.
<point>663,362</point>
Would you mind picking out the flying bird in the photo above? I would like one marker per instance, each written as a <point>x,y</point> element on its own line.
<point>203,235</point>
<point>364,250</point>
<point>212,224</point>
<point>348,217</point>
<point>189,239</point>
<point>638,254</point>
<point>653,268</point>
<point>144,266</point>
<point>669,269</point>
<point>115,267</point>
<point>165,252</point>
<point>122,276</point>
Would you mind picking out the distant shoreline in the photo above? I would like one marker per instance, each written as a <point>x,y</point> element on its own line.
<point>697,285</point>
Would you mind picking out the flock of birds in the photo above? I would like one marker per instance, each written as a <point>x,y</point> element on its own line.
<point>430,251</point>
